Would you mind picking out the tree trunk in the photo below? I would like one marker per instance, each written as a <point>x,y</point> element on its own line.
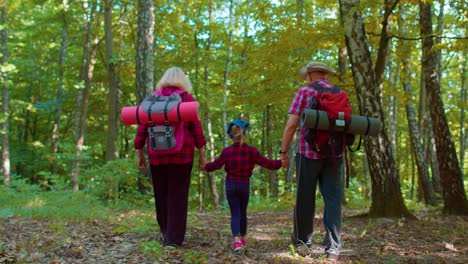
<point>211,175</point>
<point>387,200</point>
<point>58,110</point>
<point>113,96</point>
<point>450,173</point>
<point>227,71</point>
<point>5,97</point>
<point>145,49</point>
<point>272,181</point>
<point>82,99</point>
<point>415,135</point>
<point>392,111</point>
<point>144,63</point>
<point>463,137</point>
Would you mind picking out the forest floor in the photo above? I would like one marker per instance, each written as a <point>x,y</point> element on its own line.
<point>432,238</point>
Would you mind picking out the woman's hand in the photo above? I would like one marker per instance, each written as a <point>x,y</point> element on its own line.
<point>141,163</point>
<point>201,159</point>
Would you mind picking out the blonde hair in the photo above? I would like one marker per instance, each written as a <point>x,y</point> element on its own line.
<point>175,77</point>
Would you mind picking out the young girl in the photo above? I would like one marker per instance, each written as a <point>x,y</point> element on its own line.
<point>239,160</point>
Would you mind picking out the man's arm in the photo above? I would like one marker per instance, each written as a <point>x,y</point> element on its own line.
<point>288,134</point>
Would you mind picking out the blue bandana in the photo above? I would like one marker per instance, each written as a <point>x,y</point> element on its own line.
<point>238,122</point>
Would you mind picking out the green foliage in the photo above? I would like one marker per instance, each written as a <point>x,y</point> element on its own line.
<point>29,200</point>
<point>196,257</point>
<point>116,180</point>
<point>152,249</point>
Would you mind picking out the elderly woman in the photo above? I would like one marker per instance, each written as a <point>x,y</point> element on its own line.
<point>171,172</point>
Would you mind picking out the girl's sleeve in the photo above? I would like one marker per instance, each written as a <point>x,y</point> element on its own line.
<point>216,164</point>
<point>265,162</point>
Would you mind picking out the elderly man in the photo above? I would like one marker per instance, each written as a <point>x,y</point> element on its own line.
<point>311,168</point>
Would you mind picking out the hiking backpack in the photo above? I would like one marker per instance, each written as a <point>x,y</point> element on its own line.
<point>164,137</point>
<point>332,142</point>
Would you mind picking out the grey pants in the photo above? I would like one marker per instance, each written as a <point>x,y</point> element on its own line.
<point>328,175</point>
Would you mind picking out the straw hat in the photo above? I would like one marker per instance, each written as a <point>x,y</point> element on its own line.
<point>314,66</point>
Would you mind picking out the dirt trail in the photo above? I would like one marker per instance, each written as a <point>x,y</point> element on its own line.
<point>430,239</point>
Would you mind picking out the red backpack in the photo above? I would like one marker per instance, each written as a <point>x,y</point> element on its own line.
<point>330,143</point>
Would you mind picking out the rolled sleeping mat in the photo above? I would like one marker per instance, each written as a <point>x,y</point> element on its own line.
<point>358,125</point>
<point>186,111</point>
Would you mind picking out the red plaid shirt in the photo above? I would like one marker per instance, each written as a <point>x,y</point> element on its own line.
<point>240,161</point>
<point>303,99</point>
<point>194,137</point>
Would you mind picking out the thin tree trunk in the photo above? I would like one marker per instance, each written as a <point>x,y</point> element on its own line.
<point>272,179</point>
<point>387,200</point>
<point>415,135</point>
<point>5,97</point>
<point>113,121</point>
<point>58,110</point>
<point>82,100</point>
<point>455,201</point>
<point>227,71</point>
<point>144,64</point>
<point>425,128</point>
<point>211,175</point>
<point>392,110</point>
<point>463,137</point>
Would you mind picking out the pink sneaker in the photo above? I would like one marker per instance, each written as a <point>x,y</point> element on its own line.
<point>238,246</point>
<point>244,242</point>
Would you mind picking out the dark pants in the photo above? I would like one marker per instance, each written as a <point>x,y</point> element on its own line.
<point>328,175</point>
<point>171,189</point>
<point>238,198</point>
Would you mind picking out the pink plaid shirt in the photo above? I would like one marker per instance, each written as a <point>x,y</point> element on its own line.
<point>302,100</point>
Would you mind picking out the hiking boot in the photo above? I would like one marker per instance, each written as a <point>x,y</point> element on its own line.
<point>307,243</point>
<point>171,246</point>
<point>331,254</point>
<point>237,246</point>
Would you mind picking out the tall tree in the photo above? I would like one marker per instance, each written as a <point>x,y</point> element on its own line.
<point>82,98</point>
<point>5,96</point>
<point>387,199</point>
<point>112,122</point>
<point>455,201</point>
<point>463,136</point>
<point>209,121</point>
<point>415,135</point>
<point>144,58</point>
<point>61,73</point>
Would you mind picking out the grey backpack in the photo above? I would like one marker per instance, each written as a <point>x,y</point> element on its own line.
<point>164,137</point>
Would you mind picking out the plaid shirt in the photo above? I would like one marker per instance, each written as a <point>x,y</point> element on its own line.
<point>194,137</point>
<point>302,100</point>
<point>240,161</point>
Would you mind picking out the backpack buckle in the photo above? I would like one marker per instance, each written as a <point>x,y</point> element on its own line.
<point>340,121</point>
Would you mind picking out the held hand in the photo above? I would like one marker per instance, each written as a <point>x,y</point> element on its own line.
<point>201,163</point>
<point>284,161</point>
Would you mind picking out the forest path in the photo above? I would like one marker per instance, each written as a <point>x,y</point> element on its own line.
<point>433,238</point>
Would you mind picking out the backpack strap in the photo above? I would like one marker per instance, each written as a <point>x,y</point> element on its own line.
<point>149,110</point>
<point>138,114</point>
